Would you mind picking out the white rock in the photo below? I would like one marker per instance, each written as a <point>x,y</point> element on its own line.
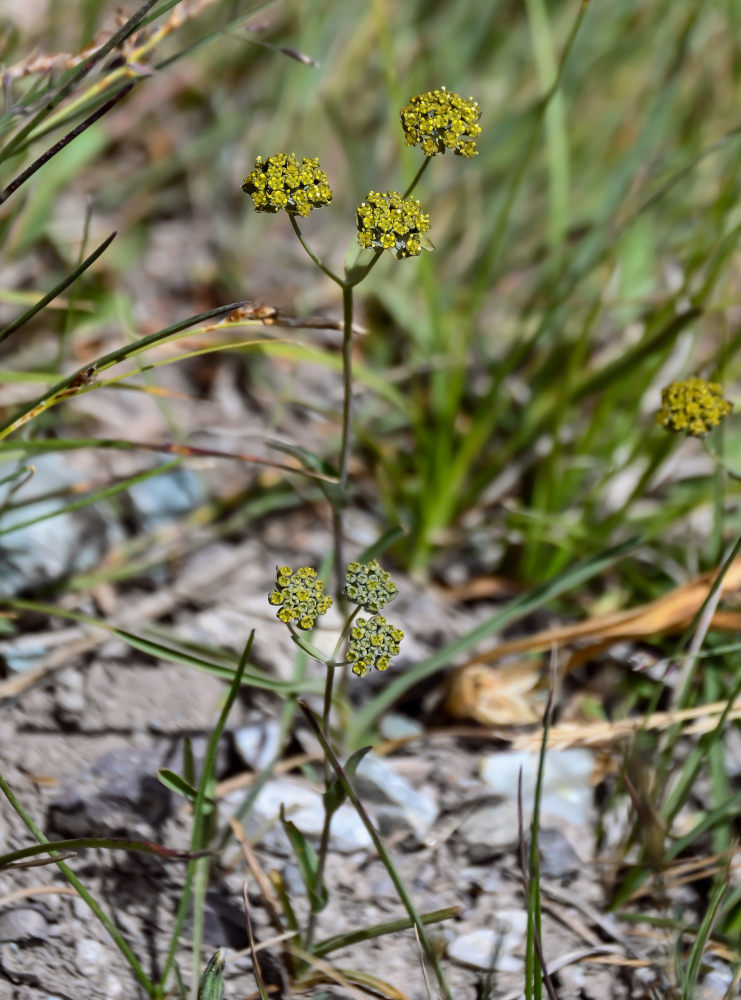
<point>566,790</point>
<point>90,956</point>
<point>395,803</point>
<point>304,807</point>
<point>258,743</point>
<point>480,948</point>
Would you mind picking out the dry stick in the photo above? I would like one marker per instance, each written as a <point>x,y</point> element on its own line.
<point>380,848</point>
<point>64,141</point>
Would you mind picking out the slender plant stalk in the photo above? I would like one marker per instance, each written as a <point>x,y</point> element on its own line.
<point>381,849</point>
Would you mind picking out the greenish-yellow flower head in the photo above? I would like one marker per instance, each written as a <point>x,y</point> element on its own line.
<point>369,586</point>
<point>390,222</point>
<point>281,182</point>
<point>693,407</point>
<point>373,641</point>
<point>299,596</point>
<point>439,120</point>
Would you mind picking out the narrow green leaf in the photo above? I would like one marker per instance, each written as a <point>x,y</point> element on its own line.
<point>307,862</point>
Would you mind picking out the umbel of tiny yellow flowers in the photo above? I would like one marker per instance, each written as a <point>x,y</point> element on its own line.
<point>369,586</point>
<point>439,120</point>
<point>693,407</point>
<point>280,182</point>
<point>390,222</point>
<point>373,641</point>
<point>299,596</point>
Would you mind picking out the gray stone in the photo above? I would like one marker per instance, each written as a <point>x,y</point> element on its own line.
<point>258,743</point>
<point>23,924</point>
<point>69,692</point>
<point>90,956</point>
<point>558,859</point>
<point>119,795</point>
<point>395,804</point>
<point>490,829</point>
<point>492,947</point>
<point>398,727</point>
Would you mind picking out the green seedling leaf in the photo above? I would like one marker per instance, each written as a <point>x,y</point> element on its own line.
<point>81,843</point>
<point>307,862</point>
<point>335,794</point>
<point>211,986</point>
<point>378,930</point>
<point>173,781</point>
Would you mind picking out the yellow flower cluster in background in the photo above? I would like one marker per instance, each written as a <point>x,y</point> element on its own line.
<point>299,596</point>
<point>692,407</point>
<point>390,222</point>
<point>280,182</point>
<point>373,641</point>
<point>440,120</point>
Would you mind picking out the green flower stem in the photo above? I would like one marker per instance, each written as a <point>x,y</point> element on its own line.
<point>123,947</point>
<point>201,820</point>
<point>381,849</point>
<point>322,267</point>
<point>417,177</point>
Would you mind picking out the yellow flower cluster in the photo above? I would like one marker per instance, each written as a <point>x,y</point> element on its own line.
<point>280,182</point>
<point>300,596</point>
<point>373,641</point>
<point>369,586</point>
<point>439,120</point>
<point>389,222</point>
<point>692,407</point>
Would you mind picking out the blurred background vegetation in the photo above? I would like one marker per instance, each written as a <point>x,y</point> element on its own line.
<point>508,381</point>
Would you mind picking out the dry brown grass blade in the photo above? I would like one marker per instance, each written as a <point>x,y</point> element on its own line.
<point>700,719</point>
<point>671,613</point>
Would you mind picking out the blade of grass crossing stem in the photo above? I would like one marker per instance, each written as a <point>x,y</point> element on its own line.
<point>200,826</point>
<point>28,410</point>
<point>57,289</point>
<point>380,847</point>
<point>139,973</point>
<point>516,609</point>
<point>98,495</point>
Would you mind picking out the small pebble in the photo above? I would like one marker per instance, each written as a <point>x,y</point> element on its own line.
<point>480,948</point>
<point>23,924</point>
<point>90,956</point>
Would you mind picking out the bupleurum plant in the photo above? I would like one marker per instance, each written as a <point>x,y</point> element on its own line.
<point>437,121</point>
<point>693,407</point>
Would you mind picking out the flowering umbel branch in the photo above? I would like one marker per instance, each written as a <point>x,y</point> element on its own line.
<point>693,407</point>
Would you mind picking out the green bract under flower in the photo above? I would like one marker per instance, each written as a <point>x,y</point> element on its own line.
<point>692,407</point>
<point>373,641</point>
<point>299,596</point>
<point>281,183</point>
<point>389,222</point>
<point>369,586</point>
<point>439,120</point>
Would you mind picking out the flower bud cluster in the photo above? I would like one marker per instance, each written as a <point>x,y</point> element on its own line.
<point>439,120</point>
<point>693,407</point>
<point>280,182</point>
<point>389,222</point>
<point>373,641</point>
<point>369,586</point>
<point>299,596</point>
